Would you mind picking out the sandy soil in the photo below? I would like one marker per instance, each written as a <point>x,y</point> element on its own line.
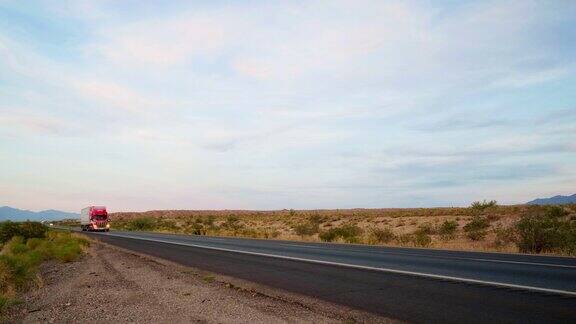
<point>113,285</point>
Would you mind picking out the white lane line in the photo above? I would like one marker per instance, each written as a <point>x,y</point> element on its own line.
<point>354,266</point>
<point>554,265</point>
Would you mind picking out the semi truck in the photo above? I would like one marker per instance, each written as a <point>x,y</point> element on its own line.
<point>94,218</point>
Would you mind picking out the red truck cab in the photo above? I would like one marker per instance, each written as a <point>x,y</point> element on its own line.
<point>94,218</point>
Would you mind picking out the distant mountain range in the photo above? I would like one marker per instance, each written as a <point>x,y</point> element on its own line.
<point>15,214</point>
<point>556,200</point>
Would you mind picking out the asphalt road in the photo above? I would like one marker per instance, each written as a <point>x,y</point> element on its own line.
<point>415,285</point>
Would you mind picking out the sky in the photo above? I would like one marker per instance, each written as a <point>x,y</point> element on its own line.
<point>141,105</point>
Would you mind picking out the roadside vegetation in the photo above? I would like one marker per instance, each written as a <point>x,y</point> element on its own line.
<point>483,226</point>
<point>23,247</point>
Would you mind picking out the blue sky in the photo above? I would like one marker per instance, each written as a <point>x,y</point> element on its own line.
<point>285,104</point>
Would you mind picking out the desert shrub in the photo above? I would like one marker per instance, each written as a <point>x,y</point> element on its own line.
<point>504,236</point>
<point>476,229</point>
<point>348,233</point>
<point>427,229</point>
<point>26,230</point>
<point>8,230</point>
<point>310,228</point>
<point>232,223</point>
<point>32,229</point>
<point>483,205</point>
<point>382,235</point>
<point>208,221</point>
<point>141,224</point>
<point>306,229</point>
<point>421,238</point>
<point>316,219</point>
<point>404,239</point>
<point>448,230</point>
<point>20,258</point>
<point>17,270</point>
<point>197,228</point>
<point>3,301</point>
<point>165,224</point>
<point>33,243</point>
<point>16,245</point>
<point>546,230</point>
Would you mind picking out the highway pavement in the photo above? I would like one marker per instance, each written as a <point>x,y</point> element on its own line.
<point>414,285</point>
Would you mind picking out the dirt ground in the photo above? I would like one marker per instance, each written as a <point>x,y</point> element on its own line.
<point>109,284</point>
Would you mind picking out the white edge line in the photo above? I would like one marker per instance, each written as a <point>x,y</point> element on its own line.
<point>403,272</point>
<point>552,265</point>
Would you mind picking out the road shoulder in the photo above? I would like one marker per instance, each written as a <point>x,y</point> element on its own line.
<point>111,284</point>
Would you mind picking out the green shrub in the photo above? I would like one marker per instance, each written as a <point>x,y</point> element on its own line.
<point>404,239</point>
<point>19,259</point>
<point>8,230</point>
<point>504,236</point>
<point>141,224</point>
<point>382,235</point>
<point>546,230</point>
<point>3,302</point>
<point>232,223</point>
<point>483,205</point>
<point>16,245</point>
<point>476,229</point>
<point>309,228</point>
<point>33,243</point>
<point>448,230</point>
<point>32,229</point>
<point>421,238</point>
<point>348,233</point>
<point>427,229</point>
<point>306,229</point>
<point>26,230</point>
<point>65,247</point>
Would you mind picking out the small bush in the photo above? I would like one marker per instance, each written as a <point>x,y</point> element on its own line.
<point>310,228</point>
<point>427,229</point>
<point>306,229</point>
<point>232,223</point>
<point>546,230</point>
<point>33,243</point>
<point>348,233</point>
<point>19,259</point>
<point>8,230</point>
<point>381,235</point>
<point>421,238</point>
<point>504,236</point>
<point>141,224</point>
<point>476,229</point>
<point>404,239</point>
<point>448,230</point>
<point>32,229</point>
<point>16,245</point>
<point>483,205</point>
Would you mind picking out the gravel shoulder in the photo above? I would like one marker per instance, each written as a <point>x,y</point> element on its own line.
<point>110,284</point>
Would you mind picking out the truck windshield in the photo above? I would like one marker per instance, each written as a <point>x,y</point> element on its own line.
<point>99,217</point>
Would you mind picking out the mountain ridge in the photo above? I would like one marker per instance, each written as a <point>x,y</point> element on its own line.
<point>15,214</point>
<point>556,200</point>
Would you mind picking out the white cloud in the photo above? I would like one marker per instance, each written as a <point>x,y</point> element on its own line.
<point>302,99</point>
